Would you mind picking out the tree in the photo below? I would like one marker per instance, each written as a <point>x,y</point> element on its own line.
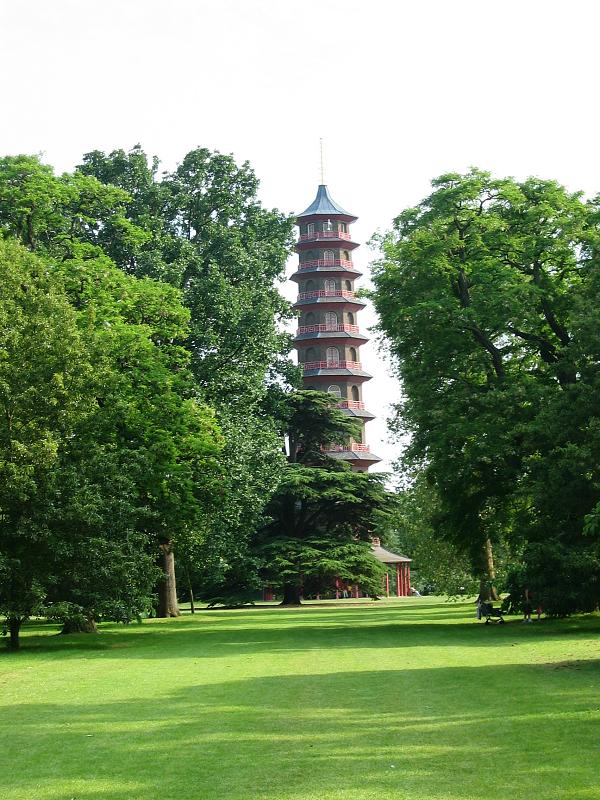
<point>75,220</point>
<point>206,233</point>
<point>481,292</point>
<point>43,398</point>
<point>310,421</point>
<point>318,528</point>
<point>318,523</point>
<point>104,448</point>
<point>51,214</point>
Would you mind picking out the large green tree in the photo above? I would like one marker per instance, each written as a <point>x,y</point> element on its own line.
<point>485,293</point>
<point>44,397</point>
<point>202,231</point>
<point>206,233</point>
<point>106,450</point>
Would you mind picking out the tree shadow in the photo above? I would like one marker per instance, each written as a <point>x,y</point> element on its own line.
<point>202,634</point>
<point>448,733</point>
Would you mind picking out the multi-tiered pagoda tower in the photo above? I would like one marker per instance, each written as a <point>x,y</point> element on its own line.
<point>328,340</point>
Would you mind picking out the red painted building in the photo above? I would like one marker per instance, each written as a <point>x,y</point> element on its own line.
<point>328,339</point>
<point>328,342</point>
<point>399,584</point>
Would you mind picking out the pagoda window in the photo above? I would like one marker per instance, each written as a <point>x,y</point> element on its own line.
<point>333,356</point>
<point>328,226</point>
<point>310,228</point>
<point>355,393</point>
<point>348,286</point>
<point>350,318</point>
<point>331,320</point>
<point>343,227</point>
<point>328,256</point>
<point>310,354</point>
<point>310,286</point>
<point>330,286</point>
<point>353,354</point>
<point>309,319</point>
<point>346,255</point>
<point>335,390</point>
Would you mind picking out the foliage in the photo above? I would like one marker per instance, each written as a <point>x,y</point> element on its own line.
<point>206,233</point>
<point>52,214</point>
<point>312,421</point>
<point>201,231</point>
<point>561,579</point>
<point>319,526</point>
<point>318,523</point>
<point>438,566</point>
<point>487,293</point>
<point>103,446</point>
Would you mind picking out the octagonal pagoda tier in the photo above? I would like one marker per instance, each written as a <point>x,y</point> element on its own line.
<point>324,297</point>
<point>333,336</point>
<point>328,339</point>
<point>360,460</point>
<point>318,267</point>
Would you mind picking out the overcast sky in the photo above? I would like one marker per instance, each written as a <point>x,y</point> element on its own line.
<point>400,92</point>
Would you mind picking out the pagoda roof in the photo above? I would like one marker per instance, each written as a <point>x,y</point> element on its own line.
<point>387,557</point>
<point>324,204</point>
<point>352,455</point>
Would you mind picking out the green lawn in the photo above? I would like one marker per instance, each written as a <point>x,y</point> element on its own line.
<point>399,699</point>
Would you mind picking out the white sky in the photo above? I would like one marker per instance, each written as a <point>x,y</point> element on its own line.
<point>400,91</point>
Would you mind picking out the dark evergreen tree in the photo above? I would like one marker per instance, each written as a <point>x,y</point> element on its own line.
<point>319,521</point>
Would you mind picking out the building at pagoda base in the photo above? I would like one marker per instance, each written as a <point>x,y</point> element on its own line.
<point>400,567</point>
<point>396,580</point>
<point>328,339</point>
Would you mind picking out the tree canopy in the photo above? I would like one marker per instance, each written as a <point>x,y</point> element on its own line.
<point>197,235</point>
<point>486,293</point>
<point>206,233</point>
<point>318,523</point>
<point>105,447</point>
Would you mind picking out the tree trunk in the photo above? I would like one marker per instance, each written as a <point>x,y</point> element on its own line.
<point>487,588</point>
<point>167,588</point>
<point>291,595</point>
<point>14,627</point>
<point>79,626</point>
<point>191,591</point>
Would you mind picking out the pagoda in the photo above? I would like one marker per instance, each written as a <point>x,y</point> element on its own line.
<point>328,338</point>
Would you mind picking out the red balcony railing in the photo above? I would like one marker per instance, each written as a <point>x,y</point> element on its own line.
<point>307,237</point>
<point>352,404</point>
<point>321,262</point>
<point>344,448</point>
<point>326,293</point>
<point>310,365</point>
<point>324,328</point>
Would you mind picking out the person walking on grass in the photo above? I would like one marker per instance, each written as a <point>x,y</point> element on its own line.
<point>478,603</point>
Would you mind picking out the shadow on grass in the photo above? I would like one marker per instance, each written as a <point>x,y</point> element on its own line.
<point>511,731</point>
<point>213,636</point>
